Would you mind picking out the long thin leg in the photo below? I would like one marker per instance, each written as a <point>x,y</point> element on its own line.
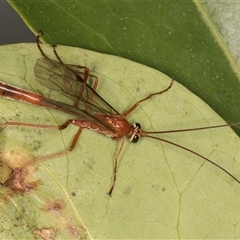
<point>146,98</point>
<point>19,124</point>
<point>95,84</point>
<point>60,127</point>
<point>85,72</point>
<point>86,75</point>
<point>40,159</point>
<point>115,169</point>
<point>40,33</point>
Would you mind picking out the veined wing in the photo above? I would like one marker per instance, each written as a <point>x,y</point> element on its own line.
<point>61,78</point>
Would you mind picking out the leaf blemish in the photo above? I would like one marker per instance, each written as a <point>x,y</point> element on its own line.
<point>55,205</point>
<point>23,180</point>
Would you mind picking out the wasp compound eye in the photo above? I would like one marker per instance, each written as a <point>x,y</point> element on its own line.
<point>135,139</point>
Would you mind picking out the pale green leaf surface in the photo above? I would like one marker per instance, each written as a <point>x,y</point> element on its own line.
<point>161,191</point>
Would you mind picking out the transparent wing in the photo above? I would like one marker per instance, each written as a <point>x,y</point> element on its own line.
<point>58,77</point>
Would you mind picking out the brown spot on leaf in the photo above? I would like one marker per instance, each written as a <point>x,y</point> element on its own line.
<point>21,182</point>
<point>137,89</point>
<point>45,233</point>
<point>11,173</point>
<point>55,205</point>
<point>15,159</point>
<point>77,232</point>
<point>73,194</point>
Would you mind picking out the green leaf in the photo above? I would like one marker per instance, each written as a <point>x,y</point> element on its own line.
<point>192,41</point>
<point>161,191</point>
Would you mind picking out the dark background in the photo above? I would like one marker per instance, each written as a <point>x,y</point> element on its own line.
<point>12,27</point>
